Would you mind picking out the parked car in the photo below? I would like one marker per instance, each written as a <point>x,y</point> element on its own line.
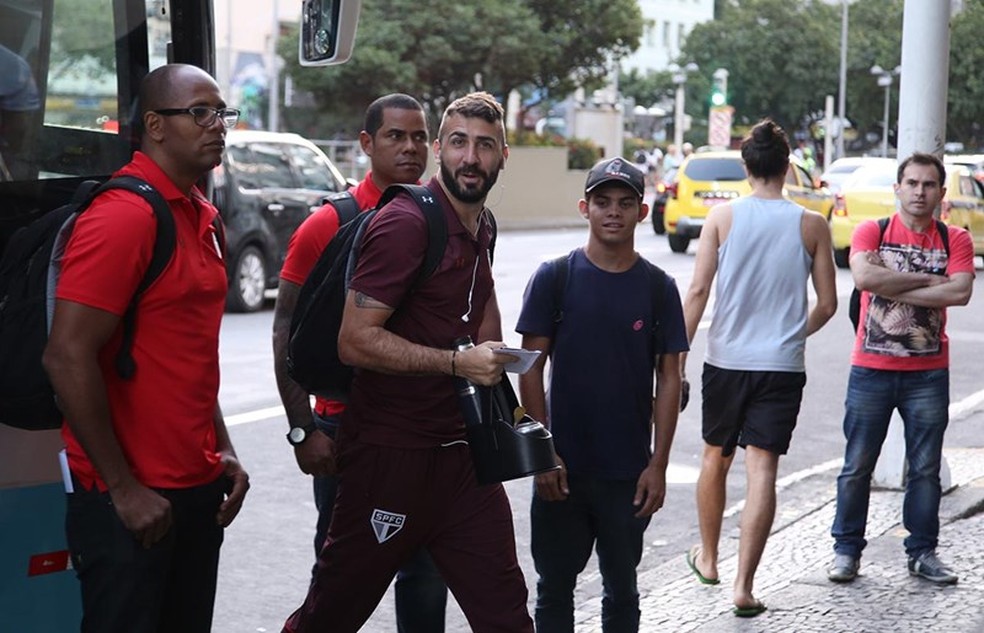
<point>267,185</point>
<point>973,162</point>
<point>658,211</point>
<point>709,178</point>
<point>963,204</point>
<point>839,171</point>
<point>869,195</point>
<point>866,194</point>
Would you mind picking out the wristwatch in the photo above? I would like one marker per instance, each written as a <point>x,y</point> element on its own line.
<point>298,434</point>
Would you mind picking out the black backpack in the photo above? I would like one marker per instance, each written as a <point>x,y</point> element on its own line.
<point>854,307</point>
<point>312,353</point>
<point>345,204</point>
<point>28,277</point>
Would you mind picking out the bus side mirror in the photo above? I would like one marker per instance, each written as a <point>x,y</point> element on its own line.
<point>327,31</point>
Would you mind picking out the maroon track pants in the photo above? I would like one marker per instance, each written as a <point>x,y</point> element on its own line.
<point>390,503</point>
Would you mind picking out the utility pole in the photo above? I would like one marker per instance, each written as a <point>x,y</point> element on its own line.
<point>273,115</point>
<point>922,128</point>
<point>842,91</point>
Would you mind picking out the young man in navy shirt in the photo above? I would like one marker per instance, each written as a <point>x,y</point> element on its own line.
<point>602,411</point>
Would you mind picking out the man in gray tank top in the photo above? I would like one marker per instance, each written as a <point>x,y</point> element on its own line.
<point>754,369</point>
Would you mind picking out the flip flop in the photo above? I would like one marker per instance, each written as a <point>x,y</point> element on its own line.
<point>750,612</point>
<point>692,563</point>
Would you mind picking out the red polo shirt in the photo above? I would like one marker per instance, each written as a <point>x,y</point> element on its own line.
<point>164,416</point>
<point>418,411</point>
<point>313,235</point>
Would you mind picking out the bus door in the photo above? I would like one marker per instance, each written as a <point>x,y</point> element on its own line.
<point>69,73</point>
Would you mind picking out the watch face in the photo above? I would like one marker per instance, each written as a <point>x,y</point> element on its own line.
<point>297,435</point>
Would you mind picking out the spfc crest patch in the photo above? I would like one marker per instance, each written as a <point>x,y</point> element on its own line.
<point>386,524</point>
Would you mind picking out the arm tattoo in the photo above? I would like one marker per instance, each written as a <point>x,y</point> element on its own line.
<point>363,300</point>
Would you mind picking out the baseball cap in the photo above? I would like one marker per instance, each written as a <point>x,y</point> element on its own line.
<point>616,170</point>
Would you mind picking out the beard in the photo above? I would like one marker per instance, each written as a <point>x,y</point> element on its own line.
<point>471,194</point>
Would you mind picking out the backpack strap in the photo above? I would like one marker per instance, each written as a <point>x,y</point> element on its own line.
<point>345,204</point>
<point>944,232</point>
<point>560,268</point>
<point>495,234</point>
<point>437,228</point>
<point>164,241</point>
<point>657,282</point>
<point>882,226</point>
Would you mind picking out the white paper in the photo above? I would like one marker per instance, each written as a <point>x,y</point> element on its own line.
<point>524,359</point>
<point>66,473</point>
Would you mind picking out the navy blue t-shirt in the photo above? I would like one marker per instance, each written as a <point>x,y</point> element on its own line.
<point>599,399</point>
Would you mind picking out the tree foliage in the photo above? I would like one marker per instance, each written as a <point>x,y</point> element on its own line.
<point>783,58</point>
<point>779,55</point>
<point>439,50</point>
<point>965,105</point>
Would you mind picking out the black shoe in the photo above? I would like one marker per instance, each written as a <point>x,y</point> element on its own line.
<point>844,568</point>
<point>928,566</point>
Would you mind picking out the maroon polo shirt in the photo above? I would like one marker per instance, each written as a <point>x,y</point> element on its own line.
<point>418,411</point>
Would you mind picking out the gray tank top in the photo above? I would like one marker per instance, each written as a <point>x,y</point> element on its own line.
<point>761,302</point>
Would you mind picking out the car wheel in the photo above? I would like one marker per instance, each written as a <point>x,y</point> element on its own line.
<point>678,243</point>
<point>248,281</point>
<point>658,227</point>
<point>841,257</point>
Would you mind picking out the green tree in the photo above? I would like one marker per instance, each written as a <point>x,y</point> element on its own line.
<point>584,38</point>
<point>439,50</point>
<point>646,89</point>
<point>874,38</point>
<point>965,106</point>
<point>780,56</point>
<point>83,30</point>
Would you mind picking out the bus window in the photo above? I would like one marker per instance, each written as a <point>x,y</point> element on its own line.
<point>20,98</point>
<point>62,113</point>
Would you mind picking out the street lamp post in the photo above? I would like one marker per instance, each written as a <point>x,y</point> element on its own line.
<point>842,90</point>
<point>885,81</point>
<point>680,79</point>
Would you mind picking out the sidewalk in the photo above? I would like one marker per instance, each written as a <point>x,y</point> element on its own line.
<point>792,577</point>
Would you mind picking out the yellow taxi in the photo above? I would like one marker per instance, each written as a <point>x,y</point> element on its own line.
<point>869,195</point>
<point>709,178</point>
<point>963,204</point>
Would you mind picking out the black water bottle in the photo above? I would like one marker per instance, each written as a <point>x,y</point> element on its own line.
<point>471,403</point>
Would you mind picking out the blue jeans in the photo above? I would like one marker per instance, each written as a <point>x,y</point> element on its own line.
<point>421,595</point>
<point>596,514</point>
<point>923,400</point>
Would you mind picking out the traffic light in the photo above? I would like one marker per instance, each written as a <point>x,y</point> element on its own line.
<point>718,98</point>
<point>719,89</point>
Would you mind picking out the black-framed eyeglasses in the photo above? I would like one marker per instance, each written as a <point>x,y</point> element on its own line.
<point>204,115</point>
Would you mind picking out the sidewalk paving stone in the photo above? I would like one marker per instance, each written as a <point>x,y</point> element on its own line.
<point>792,581</point>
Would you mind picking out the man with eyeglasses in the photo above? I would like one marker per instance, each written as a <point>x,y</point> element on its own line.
<point>154,474</point>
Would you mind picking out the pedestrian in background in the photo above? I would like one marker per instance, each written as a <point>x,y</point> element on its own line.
<point>394,138</point>
<point>406,476</point>
<point>155,476</point>
<point>908,274</point>
<point>754,366</point>
<point>622,326</point>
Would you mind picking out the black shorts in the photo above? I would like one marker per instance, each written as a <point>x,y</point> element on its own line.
<point>757,408</point>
